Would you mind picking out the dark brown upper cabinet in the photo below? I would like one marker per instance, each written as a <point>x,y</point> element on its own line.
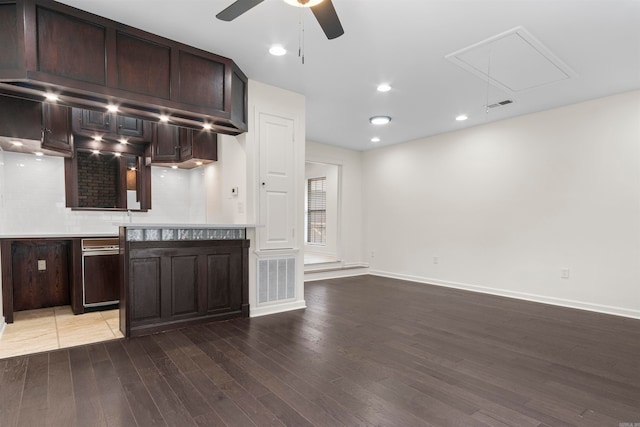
<point>110,126</point>
<point>56,132</point>
<point>186,148</point>
<point>91,61</point>
<point>36,126</point>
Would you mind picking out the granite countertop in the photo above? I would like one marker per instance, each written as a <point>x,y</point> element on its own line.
<point>184,226</point>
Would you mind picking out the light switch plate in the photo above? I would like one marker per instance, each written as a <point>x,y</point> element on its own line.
<point>42,264</point>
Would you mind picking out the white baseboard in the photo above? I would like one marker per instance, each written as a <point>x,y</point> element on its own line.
<point>276,308</point>
<point>616,311</point>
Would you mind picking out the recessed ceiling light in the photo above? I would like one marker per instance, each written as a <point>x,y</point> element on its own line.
<point>123,141</point>
<point>206,126</point>
<point>164,118</point>
<point>112,108</point>
<point>384,87</point>
<point>39,153</point>
<point>277,50</point>
<point>97,138</point>
<point>117,154</point>
<point>375,139</point>
<point>51,96</point>
<point>198,163</point>
<point>303,3</point>
<point>380,120</point>
<point>132,168</point>
<point>17,143</point>
<point>462,117</point>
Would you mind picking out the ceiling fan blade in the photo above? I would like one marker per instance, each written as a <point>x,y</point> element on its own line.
<point>236,9</point>
<point>327,17</point>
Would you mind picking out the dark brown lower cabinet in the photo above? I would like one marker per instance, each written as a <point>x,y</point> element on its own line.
<point>173,284</point>
<point>40,274</point>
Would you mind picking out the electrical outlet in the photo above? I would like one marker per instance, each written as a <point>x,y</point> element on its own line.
<point>436,260</point>
<point>234,191</point>
<point>42,264</point>
<point>564,273</point>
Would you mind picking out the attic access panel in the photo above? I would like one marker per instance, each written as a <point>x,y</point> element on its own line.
<point>514,61</point>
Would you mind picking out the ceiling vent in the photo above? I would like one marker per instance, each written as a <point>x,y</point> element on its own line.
<point>513,61</point>
<point>500,104</point>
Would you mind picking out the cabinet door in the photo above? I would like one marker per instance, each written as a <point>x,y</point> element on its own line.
<point>129,126</point>
<point>165,143</point>
<point>40,274</point>
<point>186,144</point>
<point>20,118</point>
<point>92,121</point>
<point>204,145</point>
<point>57,128</point>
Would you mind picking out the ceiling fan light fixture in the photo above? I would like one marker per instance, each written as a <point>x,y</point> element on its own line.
<point>380,120</point>
<point>303,3</point>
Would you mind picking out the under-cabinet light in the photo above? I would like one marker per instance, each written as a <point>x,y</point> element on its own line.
<point>51,96</point>
<point>164,118</point>
<point>39,153</point>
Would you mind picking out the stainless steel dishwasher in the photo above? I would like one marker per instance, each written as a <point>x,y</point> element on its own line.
<point>100,272</point>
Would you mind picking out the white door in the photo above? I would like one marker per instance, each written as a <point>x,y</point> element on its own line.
<point>276,204</point>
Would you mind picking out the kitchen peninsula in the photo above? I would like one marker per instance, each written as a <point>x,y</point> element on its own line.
<point>175,275</point>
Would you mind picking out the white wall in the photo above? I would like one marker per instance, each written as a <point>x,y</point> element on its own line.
<point>33,199</point>
<point>507,205</point>
<point>351,249</point>
<point>230,171</point>
<point>331,173</point>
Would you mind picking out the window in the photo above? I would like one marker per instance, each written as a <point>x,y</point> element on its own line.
<point>317,211</point>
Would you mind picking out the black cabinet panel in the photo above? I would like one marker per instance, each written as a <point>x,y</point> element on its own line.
<point>219,282</point>
<point>184,284</point>
<point>145,297</point>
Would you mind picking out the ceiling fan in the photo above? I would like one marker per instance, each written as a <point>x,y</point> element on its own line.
<point>323,10</point>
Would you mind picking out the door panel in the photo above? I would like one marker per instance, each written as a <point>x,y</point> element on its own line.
<point>276,145</point>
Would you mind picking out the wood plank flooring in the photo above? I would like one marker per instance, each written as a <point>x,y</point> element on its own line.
<point>366,351</point>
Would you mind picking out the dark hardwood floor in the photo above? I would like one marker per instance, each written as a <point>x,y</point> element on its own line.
<point>366,351</point>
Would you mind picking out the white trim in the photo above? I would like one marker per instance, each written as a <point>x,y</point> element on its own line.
<point>2,325</point>
<point>561,302</point>
<point>277,308</point>
<point>311,276</point>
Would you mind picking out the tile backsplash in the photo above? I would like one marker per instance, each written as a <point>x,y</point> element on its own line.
<point>32,199</point>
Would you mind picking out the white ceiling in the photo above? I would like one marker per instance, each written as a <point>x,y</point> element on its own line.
<point>403,43</point>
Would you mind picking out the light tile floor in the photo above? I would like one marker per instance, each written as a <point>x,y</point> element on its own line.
<point>57,327</point>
